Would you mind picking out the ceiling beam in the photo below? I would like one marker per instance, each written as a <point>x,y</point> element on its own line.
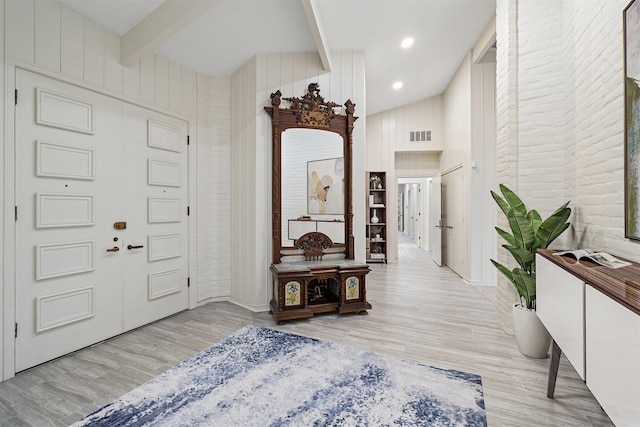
<point>315,25</point>
<point>166,20</point>
<point>485,42</point>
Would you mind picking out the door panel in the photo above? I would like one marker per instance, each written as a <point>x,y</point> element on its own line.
<point>65,294</point>
<point>453,219</point>
<point>156,215</point>
<point>84,162</point>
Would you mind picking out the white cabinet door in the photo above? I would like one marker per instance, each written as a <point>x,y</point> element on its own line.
<point>560,307</point>
<point>613,357</point>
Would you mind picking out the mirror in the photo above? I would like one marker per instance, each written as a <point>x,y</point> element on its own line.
<point>311,177</point>
<point>312,184</point>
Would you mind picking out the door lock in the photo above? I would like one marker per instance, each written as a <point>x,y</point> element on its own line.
<point>122,225</point>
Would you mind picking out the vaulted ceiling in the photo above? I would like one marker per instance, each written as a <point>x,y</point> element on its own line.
<point>216,37</point>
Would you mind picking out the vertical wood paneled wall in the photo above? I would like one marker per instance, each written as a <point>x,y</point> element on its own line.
<point>457,118</point>
<point>52,36</point>
<point>482,175</point>
<point>456,160</point>
<point>251,155</point>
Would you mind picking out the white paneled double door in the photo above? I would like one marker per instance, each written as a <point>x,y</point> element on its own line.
<point>101,226</point>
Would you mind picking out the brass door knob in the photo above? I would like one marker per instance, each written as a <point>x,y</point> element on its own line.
<point>113,249</point>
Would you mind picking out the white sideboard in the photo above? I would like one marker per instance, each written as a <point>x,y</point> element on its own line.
<point>613,357</point>
<point>560,307</point>
<point>593,315</point>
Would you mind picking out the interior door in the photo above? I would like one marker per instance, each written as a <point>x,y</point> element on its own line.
<point>453,220</point>
<point>401,208</point>
<point>155,259</point>
<point>68,274</point>
<point>436,220</point>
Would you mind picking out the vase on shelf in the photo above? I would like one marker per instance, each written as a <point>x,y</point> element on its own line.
<point>374,218</point>
<point>379,186</point>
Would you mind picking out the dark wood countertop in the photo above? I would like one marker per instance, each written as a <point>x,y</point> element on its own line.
<point>620,284</point>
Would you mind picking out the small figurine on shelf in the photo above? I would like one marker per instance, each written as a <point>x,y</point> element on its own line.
<point>376,182</point>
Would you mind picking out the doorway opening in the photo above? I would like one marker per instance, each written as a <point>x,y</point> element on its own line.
<point>414,207</point>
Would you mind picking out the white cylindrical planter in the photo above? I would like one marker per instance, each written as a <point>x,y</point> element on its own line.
<point>531,335</point>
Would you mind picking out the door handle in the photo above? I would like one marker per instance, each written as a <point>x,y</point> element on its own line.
<point>113,249</point>
<point>135,247</point>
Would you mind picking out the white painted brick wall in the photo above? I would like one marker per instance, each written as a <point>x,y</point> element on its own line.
<point>599,127</point>
<point>506,132</point>
<point>213,188</point>
<point>561,117</point>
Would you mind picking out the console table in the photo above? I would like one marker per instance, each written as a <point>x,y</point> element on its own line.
<point>301,289</point>
<point>593,315</point>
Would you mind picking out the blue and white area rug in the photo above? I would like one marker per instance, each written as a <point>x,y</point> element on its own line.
<point>264,377</point>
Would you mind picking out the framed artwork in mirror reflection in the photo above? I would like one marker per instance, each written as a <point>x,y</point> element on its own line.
<point>325,186</point>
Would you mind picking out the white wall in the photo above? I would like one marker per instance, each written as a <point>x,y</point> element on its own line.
<point>457,118</point>
<point>561,118</point>
<point>482,175</point>
<point>46,36</point>
<point>251,156</point>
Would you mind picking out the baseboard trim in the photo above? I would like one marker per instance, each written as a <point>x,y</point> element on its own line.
<point>255,309</point>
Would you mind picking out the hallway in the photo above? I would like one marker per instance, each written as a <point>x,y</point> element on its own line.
<point>421,312</point>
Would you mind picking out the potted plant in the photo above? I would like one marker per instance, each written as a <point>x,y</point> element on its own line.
<point>376,182</point>
<point>528,234</point>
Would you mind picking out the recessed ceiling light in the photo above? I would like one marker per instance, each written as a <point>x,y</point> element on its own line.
<point>397,85</point>
<point>407,43</point>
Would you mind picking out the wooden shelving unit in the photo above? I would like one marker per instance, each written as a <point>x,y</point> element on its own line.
<point>376,233</point>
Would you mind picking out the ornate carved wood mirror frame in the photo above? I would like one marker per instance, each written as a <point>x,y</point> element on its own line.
<point>310,112</point>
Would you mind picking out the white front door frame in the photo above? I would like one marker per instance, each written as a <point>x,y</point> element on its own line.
<point>7,293</point>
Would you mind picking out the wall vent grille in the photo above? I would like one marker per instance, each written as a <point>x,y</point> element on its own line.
<point>420,136</point>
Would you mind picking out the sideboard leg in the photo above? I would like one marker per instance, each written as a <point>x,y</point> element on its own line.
<point>553,369</point>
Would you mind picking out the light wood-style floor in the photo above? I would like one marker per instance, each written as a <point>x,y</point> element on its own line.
<point>420,312</point>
